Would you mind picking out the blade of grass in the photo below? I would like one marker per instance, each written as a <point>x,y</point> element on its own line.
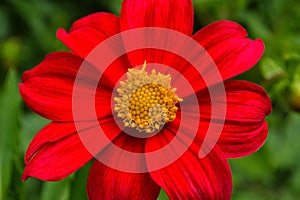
<point>9,129</point>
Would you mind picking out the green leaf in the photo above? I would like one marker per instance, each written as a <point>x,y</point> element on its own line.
<point>4,21</point>
<point>270,69</point>
<point>162,195</point>
<point>56,190</point>
<point>30,125</point>
<point>295,182</point>
<point>116,7</point>
<point>9,129</point>
<point>10,51</point>
<point>284,143</point>
<point>78,183</point>
<point>255,167</point>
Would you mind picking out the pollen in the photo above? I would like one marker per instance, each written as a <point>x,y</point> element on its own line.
<point>146,102</point>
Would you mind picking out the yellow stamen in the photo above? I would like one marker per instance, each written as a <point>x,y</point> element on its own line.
<point>146,102</point>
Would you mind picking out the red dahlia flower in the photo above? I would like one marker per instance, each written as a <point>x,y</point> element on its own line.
<point>146,103</point>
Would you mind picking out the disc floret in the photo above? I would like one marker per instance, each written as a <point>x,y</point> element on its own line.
<point>146,102</point>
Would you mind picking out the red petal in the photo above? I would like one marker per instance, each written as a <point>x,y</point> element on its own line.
<point>87,32</point>
<point>218,32</point>
<point>55,160</point>
<point>176,14</point>
<point>49,134</point>
<point>241,141</point>
<point>244,129</point>
<point>109,183</point>
<point>247,102</point>
<point>48,88</point>
<point>57,150</point>
<point>118,154</point>
<point>190,177</point>
<point>232,53</point>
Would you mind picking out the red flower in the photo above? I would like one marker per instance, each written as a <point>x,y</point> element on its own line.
<point>57,150</point>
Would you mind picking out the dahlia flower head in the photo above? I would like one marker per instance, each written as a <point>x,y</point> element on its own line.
<point>149,102</point>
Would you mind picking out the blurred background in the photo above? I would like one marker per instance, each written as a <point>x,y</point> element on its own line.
<point>27,34</point>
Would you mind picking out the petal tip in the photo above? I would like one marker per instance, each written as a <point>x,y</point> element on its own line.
<point>24,176</point>
<point>61,33</point>
<point>235,26</point>
<point>260,43</point>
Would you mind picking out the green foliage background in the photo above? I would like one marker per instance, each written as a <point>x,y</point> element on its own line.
<point>27,34</point>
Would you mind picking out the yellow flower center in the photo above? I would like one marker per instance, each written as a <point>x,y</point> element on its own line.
<point>146,102</point>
